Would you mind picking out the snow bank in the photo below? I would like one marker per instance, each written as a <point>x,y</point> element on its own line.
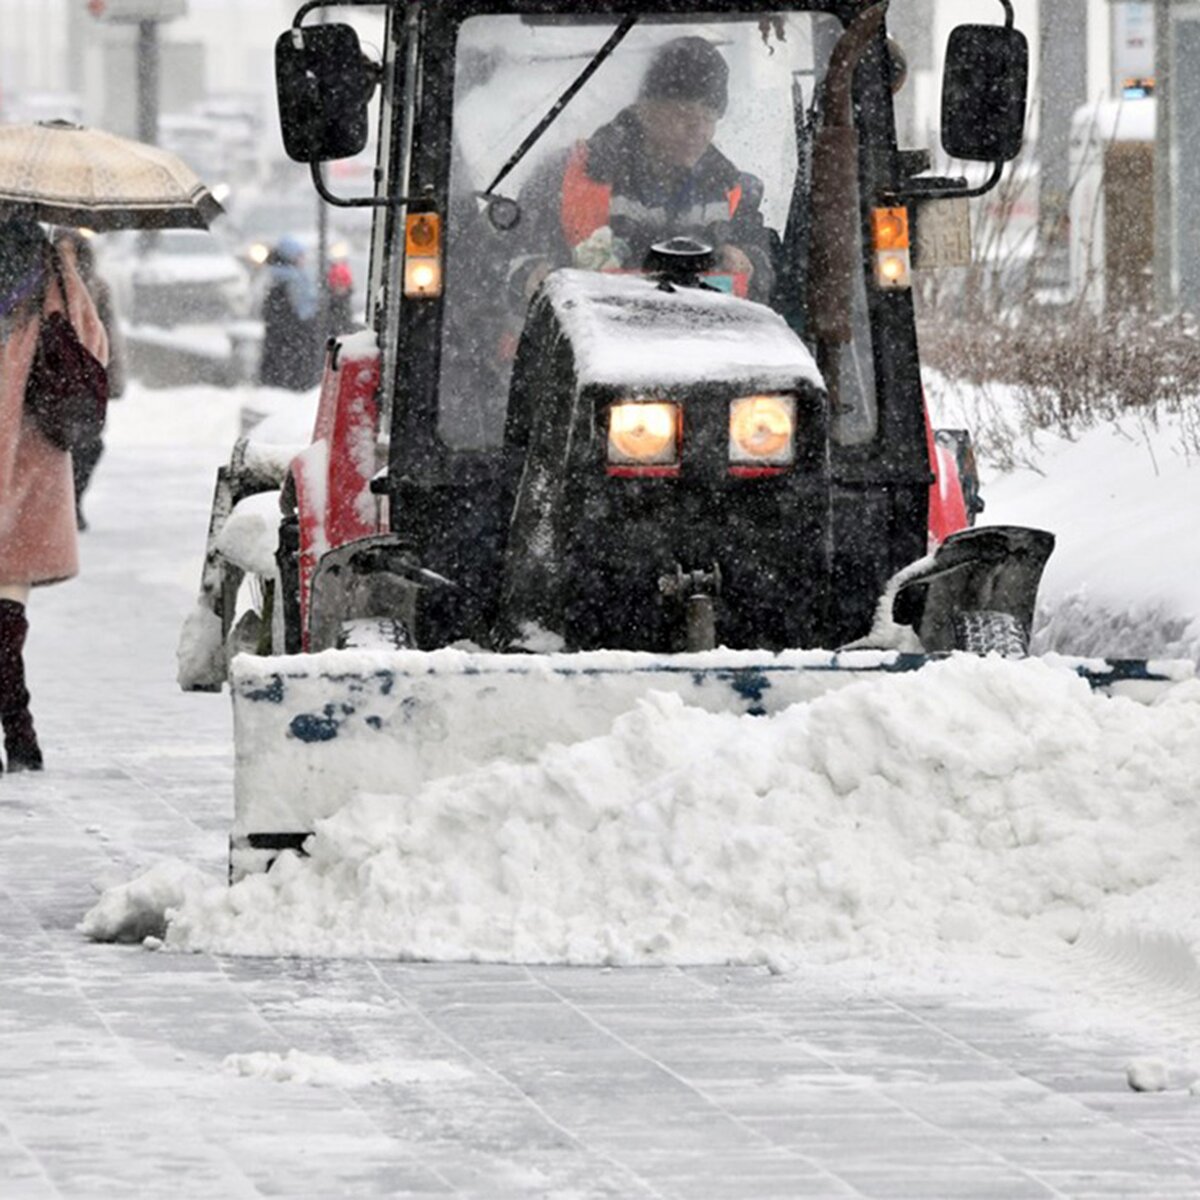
<point>1122,120</point>
<point>978,801</point>
<point>196,418</point>
<point>1124,578</point>
<point>1121,500</point>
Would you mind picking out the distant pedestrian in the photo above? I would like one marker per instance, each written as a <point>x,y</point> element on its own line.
<point>37,495</point>
<point>290,351</point>
<point>89,445</point>
<point>339,286</point>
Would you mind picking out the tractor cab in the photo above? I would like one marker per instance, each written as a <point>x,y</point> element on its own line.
<point>641,298</point>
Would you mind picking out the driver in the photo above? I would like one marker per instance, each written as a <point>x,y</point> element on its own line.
<point>649,174</point>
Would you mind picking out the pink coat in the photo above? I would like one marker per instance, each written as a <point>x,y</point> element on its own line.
<point>37,493</point>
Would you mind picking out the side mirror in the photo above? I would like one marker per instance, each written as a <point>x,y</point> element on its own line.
<point>983,93</point>
<point>324,84</point>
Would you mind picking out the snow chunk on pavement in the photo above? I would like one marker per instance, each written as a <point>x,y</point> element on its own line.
<point>977,801</point>
<point>137,910</point>
<point>319,1070</point>
<point>1147,1075</point>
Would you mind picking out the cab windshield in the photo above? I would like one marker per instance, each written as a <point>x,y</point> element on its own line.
<point>688,128</point>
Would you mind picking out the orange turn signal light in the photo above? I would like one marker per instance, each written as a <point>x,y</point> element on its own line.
<point>423,255</point>
<point>889,228</point>
<point>890,241</point>
<point>423,234</point>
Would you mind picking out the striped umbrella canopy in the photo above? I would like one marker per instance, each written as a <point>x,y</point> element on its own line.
<point>68,175</point>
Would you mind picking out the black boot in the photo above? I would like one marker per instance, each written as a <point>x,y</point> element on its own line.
<point>20,741</point>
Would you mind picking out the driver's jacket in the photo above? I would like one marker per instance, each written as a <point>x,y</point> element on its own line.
<point>603,203</point>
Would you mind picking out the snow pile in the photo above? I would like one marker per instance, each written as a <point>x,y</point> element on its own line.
<point>249,538</point>
<point>319,1070</point>
<point>979,801</point>
<point>280,426</point>
<point>200,653</point>
<point>139,909</point>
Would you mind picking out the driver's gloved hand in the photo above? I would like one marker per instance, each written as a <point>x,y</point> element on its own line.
<point>601,252</point>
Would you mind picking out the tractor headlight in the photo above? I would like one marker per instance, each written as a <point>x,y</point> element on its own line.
<point>643,434</point>
<point>762,431</point>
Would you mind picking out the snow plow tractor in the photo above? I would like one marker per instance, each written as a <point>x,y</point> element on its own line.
<point>639,405</point>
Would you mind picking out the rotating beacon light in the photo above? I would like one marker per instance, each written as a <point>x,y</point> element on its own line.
<point>890,241</point>
<point>422,255</point>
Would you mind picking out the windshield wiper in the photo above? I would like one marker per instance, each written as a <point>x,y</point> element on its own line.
<point>618,36</point>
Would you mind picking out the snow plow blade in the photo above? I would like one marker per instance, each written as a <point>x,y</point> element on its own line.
<point>312,731</point>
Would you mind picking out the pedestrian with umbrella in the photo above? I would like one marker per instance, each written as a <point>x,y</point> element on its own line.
<point>53,351</point>
<point>37,490</point>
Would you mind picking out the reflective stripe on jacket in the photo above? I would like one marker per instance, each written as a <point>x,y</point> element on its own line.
<point>587,203</point>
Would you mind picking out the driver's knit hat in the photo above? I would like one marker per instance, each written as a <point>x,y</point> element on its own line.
<point>688,68</point>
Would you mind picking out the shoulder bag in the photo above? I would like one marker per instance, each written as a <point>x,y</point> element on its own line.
<point>66,394</point>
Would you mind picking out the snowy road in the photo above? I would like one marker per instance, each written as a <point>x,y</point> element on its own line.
<point>125,1072</point>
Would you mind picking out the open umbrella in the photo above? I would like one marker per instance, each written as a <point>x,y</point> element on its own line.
<point>68,175</point>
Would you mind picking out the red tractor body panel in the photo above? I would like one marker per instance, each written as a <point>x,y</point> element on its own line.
<point>333,475</point>
<point>947,505</point>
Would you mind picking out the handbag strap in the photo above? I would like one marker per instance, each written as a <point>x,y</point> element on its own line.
<point>56,267</point>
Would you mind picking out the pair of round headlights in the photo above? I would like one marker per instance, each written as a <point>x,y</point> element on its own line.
<point>761,432</point>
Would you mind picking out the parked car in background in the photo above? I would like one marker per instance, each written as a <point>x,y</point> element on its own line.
<point>26,107</point>
<point>176,277</point>
<point>257,223</point>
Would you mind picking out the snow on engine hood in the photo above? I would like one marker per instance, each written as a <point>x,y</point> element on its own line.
<point>629,333</point>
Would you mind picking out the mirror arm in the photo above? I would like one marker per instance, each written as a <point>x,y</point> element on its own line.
<point>1009,15</point>
<point>309,5</point>
<point>987,185</point>
<point>941,188</point>
<point>352,201</point>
